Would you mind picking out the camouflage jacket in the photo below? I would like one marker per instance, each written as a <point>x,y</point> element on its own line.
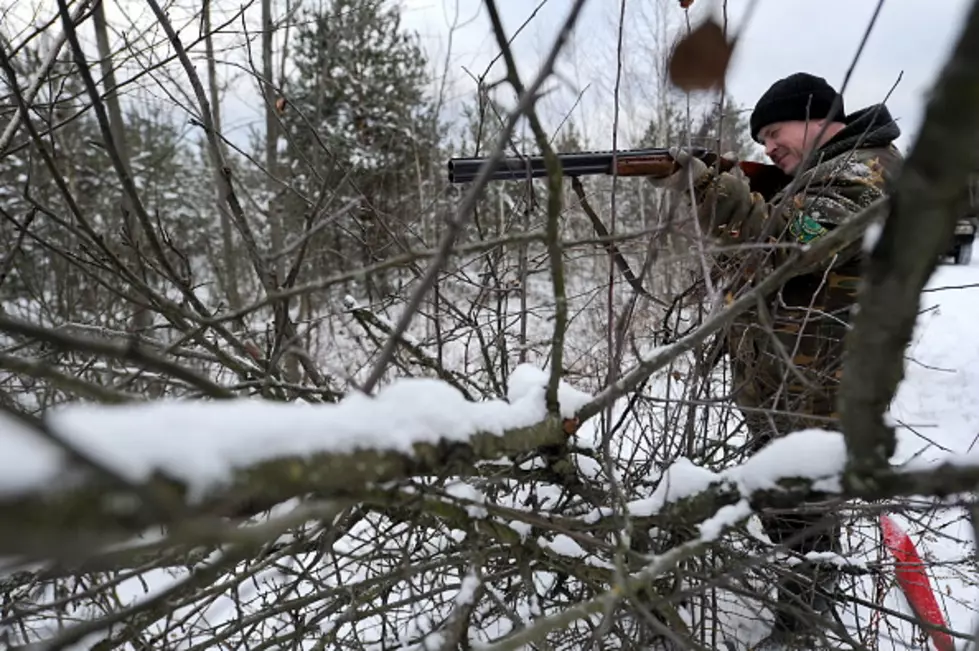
<point>810,312</point>
<point>846,175</point>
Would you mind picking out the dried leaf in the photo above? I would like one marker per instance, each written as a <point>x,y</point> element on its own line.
<point>280,105</point>
<point>685,4</point>
<point>570,425</point>
<point>701,58</point>
<point>253,351</point>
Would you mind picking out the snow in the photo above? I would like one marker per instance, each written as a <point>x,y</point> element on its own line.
<point>682,479</point>
<point>936,414</point>
<point>587,467</point>
<point>201,443</point>
<point>831,558</point>
<point>936,417</point>
<point>726,516</point>
<point>813,453</point>
<point>467,592</point>
<point>522,528</point>
<point>468,493</point>
<point>816,454</point>
<point>528,380</point>
<point>871,235</point>
<point>564,545</point>
<point>350,302</point>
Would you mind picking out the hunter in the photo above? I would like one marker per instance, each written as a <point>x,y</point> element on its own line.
<point>787,355</point>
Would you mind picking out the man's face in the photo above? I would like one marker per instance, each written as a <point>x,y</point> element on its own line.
<point>788,143</point>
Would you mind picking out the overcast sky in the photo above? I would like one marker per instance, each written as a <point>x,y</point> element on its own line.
<point>910,41</point>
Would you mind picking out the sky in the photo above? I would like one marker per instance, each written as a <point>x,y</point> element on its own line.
<point>903,55</point>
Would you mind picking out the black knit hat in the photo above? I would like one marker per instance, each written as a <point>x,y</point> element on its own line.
<point>797,97</point>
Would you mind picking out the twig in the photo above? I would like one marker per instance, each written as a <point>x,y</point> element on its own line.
<point>613,250</point>
<point>367,318</point>
<point>36,368</point>
<point>128,352</point>
<point>40,77</point>
<point>819,250</point>
<point>454,226</point>
<point>223,177</point>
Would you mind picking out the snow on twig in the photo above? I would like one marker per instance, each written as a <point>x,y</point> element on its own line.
<point>816,455</point>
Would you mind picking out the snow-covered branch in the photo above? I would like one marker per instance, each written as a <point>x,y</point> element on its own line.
<point>369,319</point>
<point>235,457</point>
<point>786,473</point>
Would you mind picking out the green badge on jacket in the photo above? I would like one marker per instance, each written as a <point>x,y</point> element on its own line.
<point>805,229</point>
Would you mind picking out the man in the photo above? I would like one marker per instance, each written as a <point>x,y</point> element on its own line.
<point>787,355</point>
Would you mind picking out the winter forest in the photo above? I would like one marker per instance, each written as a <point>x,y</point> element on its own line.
<point>290,387</point>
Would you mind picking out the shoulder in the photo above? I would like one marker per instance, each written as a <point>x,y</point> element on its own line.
<point>869,166</point>
<point>881,160</point>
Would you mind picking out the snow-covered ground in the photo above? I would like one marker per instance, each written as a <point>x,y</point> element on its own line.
<point>936,411</point>
<point>937,408</point>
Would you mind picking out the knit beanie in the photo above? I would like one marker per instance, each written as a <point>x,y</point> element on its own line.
<point>800,96</point>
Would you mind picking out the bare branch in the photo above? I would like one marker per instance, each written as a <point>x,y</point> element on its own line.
<point>527,99</point>
<point>822,249</point>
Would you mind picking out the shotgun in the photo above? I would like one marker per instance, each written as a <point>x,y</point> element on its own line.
<point>657,163</point>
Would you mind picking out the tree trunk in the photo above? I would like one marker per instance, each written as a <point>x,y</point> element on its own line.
<point>141,318</point>
<point>228,253</point>
<point>271,138</point>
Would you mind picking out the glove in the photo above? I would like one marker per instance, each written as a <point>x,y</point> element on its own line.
<point>730,210</point>
<point>691,169</point>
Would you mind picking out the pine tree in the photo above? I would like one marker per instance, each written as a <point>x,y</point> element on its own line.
<point>359,127</point>
<point>63,272</point>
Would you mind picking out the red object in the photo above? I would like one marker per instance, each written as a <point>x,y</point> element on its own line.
<point>914,582</point>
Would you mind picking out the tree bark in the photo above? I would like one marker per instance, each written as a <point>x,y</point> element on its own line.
<point>56,522</point>
<point>141,318</point>
<point>228,253</point>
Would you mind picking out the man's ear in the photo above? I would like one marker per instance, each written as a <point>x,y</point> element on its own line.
<point>813,127</point>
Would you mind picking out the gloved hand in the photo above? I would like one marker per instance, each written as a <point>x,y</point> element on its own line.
<point>726,206</point>
<point>691,169</point>
<point>730,210</point>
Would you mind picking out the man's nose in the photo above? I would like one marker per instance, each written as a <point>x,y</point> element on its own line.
<point>769,147</point>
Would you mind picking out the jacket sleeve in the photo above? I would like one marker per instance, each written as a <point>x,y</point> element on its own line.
<point>831,197</point>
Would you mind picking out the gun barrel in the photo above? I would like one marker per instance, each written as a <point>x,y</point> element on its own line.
<point>465,170</point>
<point>515,168</point>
